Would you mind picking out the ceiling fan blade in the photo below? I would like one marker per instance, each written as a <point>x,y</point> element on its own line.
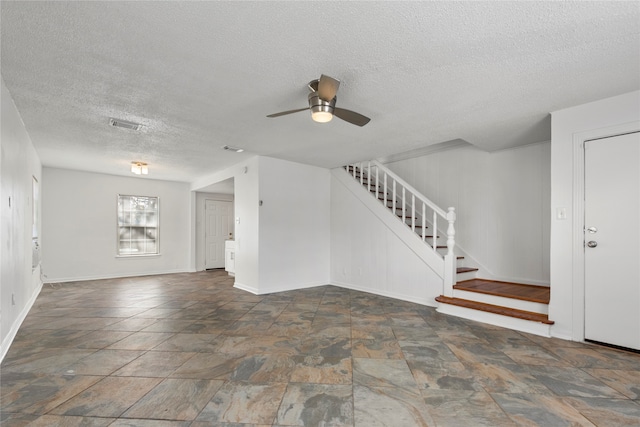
<point>284,113</point>
<point>351,116</point>
<point>327,87</point>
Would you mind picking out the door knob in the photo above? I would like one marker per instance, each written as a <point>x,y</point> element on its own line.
<point>592,230</point>
<point>592,244</point>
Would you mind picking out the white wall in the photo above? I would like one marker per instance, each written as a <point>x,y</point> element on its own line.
<point>367,255</point>
<point>294,225</point>
<point>19,162</point>
<point>569,128</point>
<point>502,205</point>
<point>200,227</point>
<point>79,225</point>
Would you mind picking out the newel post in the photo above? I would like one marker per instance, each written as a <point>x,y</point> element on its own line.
<point>450,258</point>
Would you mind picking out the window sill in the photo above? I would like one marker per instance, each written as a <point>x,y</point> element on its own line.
<point>139,256</point>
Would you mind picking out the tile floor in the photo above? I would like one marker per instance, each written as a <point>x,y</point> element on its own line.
<point>190,350</point>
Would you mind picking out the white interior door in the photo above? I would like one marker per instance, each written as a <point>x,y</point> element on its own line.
<point>219,223</point>
<point>612,240</point>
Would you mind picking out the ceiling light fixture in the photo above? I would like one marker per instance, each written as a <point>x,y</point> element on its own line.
<point>321,110</point>
<point>229,148</point>
<point>124,124</point>
<point>139,168</point>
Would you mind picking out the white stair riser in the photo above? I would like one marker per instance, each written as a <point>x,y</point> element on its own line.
<point>461,277</point>
<point>534,307</point>
<point>522,325</point>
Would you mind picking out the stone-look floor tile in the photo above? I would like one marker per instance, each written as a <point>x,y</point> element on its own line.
<point>455,408</point>
<point>475,353</point>
<point>47,361</point>
<point>622,357</point>
<point>208,366</point>
<point>298,328</point>
<point>141,341</point>
<point>131,325</point>
<point>211,327</point>
<point>244,403</point>
<point>263,368</point>
<point>342,331</point>
<point>536,409</point>
<point>325,347</point>
<point>66,421</point>
<point>626,382</point>
<point>534,355</point>
<point>316,405</point>
<point>372,331</point>
<point>321,370</point>
<point>107,398</point>
<point>168,325</point>
<point>8,419</point>
<point>428,351</point>
<point>388,406</point>
<point>572,382</point>
<point>175,399</point>
<point>443,376</point>
<point>123,422</point>
<point>157,313</point>
<point>154,364</point>
<point>103,362</point>
<point>377,349</point>
<point>248,328</point>
<point>240,346</point>
<point>383,373</point>
<point>506,378</point>
<point>208,424</point>
<point>190,342</point>
<point>607,412</point>
<point>44,394</point>
<point>589,358</point>
<point>99,339</point>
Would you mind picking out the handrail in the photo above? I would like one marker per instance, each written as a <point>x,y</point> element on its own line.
<point>405,187</point>
<point>412,190</point>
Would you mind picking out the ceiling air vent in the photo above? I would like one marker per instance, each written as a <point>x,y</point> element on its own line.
<point>124,124</point>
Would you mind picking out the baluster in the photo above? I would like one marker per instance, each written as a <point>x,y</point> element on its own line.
<point>384,196</point>
<point>353,170</point>
<point>369,183</point>
<point>404,207</point>
<point>361,173</point>
<point>377,182</point>
<point>394,197</point>
<point>424,225</point>
<point>413,212</point>
<point>451,231</point>
<point>435,230</point>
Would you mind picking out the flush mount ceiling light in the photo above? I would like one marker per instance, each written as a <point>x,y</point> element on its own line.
<point>139,168</point>
<point>229,148</point>
<point>124,124</point>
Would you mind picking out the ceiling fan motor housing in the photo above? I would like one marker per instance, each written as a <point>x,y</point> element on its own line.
<point>319,105</point>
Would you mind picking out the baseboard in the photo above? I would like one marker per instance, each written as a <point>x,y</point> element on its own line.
<point>246,288</point>
<point>8,340</point>
<point>409,298</point>
<point>115,276</point>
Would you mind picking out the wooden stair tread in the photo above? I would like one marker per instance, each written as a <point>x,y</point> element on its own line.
<point>465,269</point>
<point>496,309</point>
<point>532,293</point>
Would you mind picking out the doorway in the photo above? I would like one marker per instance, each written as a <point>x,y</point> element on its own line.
<point>218,228</point>
<point>612,240</point>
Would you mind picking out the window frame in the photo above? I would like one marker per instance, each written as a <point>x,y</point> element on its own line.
<point>119,226</point>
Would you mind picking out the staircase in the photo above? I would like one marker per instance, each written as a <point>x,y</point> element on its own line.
<point>512,305</point>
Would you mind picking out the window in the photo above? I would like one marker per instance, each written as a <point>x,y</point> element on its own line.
<point>138,225</point>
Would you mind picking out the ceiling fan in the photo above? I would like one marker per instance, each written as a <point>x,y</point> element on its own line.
<point>322,103</point>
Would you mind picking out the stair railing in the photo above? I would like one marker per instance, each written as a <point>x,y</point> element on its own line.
<point>384,183</point>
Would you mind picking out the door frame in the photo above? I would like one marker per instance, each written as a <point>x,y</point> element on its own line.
<point>578,285</point>
<point>205,218</point>
<point>200,223</point>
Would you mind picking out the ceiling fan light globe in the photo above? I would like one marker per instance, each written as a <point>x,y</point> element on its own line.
<point>321,116</point>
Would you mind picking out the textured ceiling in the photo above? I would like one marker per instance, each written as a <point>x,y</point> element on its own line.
<point>200,75</point>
